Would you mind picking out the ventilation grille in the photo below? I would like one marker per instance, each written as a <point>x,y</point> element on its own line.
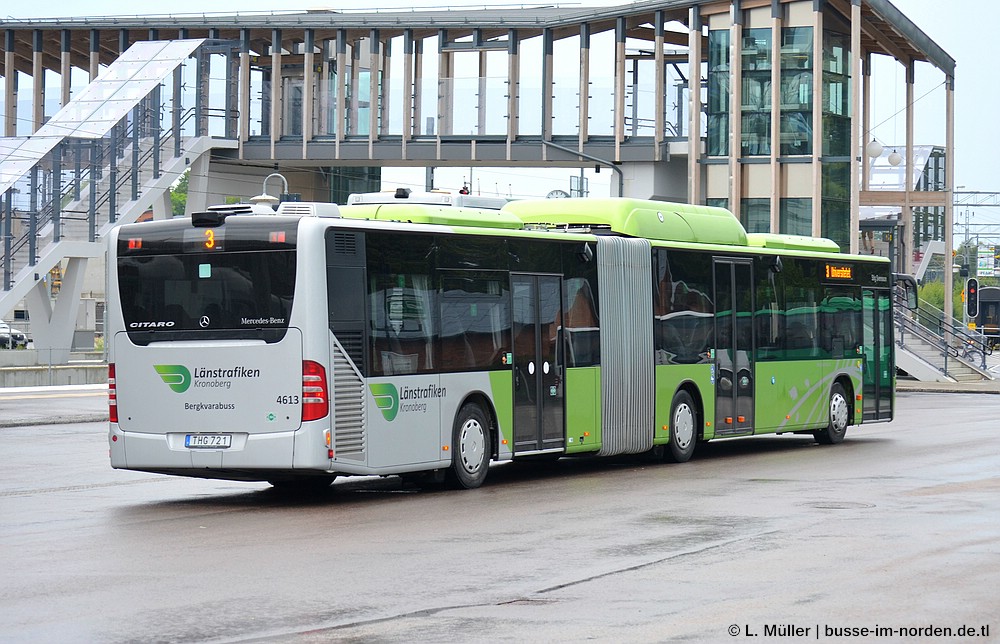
<point>349,409</point>
<point>354,346</point>
<point>308,209</point>
<point>345,244</point>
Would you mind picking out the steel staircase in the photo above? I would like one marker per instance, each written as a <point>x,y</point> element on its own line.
<point>103,160</point>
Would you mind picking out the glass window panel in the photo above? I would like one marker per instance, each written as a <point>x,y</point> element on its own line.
<point>796,90</point>
<point>718,92</point>
<point>796,216</point>
<point>836,205</point>
<point>682,307</point>
<point>755,215</point>
<point>836,94</point>
<point>756,92</point>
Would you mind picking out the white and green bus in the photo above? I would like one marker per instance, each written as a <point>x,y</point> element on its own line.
<point>402,338</point>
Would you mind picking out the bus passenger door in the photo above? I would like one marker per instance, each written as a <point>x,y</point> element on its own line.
<point>734,382</point>
<point>538,377</point>
<point>879,369</point>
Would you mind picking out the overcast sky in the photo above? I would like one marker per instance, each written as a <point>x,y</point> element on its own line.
<point>963,28</point>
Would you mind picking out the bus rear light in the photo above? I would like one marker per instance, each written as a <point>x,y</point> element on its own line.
<point>315,392</point>
<point>112,394</point>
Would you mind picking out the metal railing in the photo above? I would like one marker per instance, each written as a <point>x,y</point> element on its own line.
<point>948,338</point>
<point>109,167</point>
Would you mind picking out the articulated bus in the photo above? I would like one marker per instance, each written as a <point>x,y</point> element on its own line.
<point>403,338</point>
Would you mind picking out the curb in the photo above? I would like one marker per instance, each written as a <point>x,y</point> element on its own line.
<point>947,388</point>
<point>58,420</point>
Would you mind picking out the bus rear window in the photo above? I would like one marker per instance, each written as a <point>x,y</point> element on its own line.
<point>237,295</point>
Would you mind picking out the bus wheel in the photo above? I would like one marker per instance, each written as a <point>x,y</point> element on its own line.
<point>683,428</point>
<point>470,444</point>
<point>839,412</point>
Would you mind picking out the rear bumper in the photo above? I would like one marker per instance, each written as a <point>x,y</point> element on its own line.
<point>159,452</point>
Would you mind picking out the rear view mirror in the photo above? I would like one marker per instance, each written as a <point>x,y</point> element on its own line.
<point>905,291</point>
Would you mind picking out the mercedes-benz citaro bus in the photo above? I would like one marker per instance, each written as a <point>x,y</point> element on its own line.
<point>315,341</point>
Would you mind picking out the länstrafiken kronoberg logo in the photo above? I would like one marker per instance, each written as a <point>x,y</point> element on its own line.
<point>406,399</point>
<point>176,376</point>
<point>386,398</point>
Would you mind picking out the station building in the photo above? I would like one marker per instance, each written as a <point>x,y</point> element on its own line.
<point>759,106</point>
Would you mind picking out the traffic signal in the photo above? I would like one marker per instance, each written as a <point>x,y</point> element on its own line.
<point>972,299</point>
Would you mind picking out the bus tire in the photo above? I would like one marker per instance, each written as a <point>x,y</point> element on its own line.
<point>470,445</point>
<point>836,428</point>
<point>683,428</point>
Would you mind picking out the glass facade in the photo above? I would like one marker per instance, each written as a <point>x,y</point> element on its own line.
<point>928,222</point>
<point>346,180</point>
<point>718,92</point>
<point>755,215</point>
<point>717,202</point>
<point>836,204</point>
<point>795,216</point>
<point>796,90</point>
<point>756,102</point>
<point>836,94</point>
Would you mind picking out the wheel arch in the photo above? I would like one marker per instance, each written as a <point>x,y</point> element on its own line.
<point>847,384</point>
<point>694,391</point>
<point>480,398</point>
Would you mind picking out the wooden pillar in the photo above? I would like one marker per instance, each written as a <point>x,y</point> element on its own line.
<point>584,111</point>
<point>95,53</point>
<point>776,167</point>
<point>385,88</point>
<point>418,83</point>
<point>694,110</point>
<point>866,123</point>
<point>736,110</point>
<point>548,83</point>
<point>409,116</point>
<point>619,111</point>
<point>244,88</point>
<point>858,155</point>
<point>949,181</point>
<point>374,65</point>
<point>308,77</point>
<point>660,89</point>
<point>513,88</point>
<point>446,80</point>
<point>340,119</point>
<point>276,106</point>
<point>10,85</point>
<point>483,97</point>
<point>65,67</point>
<point>908,242</point>
<point>38,80</point>
<point>817,121</point>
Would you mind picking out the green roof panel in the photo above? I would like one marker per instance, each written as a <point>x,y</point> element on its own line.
<point>635,217</point>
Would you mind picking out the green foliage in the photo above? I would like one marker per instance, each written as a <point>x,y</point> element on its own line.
<point>179,195</point>
<point>933,293</point>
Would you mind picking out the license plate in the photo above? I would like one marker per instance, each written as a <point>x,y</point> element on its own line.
<point>208,441</point>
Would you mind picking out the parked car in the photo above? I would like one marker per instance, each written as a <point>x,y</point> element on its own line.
<point>11,338</point>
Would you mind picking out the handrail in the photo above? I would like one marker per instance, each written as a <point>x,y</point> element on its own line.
<point>44,213</point>
<point>963,338</point>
